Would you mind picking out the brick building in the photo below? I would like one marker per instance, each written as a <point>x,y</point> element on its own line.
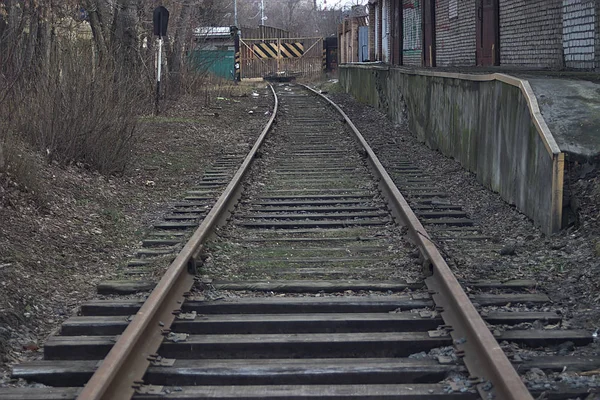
<point>534,34</point>
<point>353,36</point>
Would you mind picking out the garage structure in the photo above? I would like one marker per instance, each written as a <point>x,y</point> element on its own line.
<point>534,34</point>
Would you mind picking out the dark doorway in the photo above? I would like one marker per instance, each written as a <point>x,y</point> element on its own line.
<point>429,33</point>
<point>397,34</point>
<point>488,34</point>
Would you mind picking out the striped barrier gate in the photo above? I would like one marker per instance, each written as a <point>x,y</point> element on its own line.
<point>260,58</point>
<point>278,50</point>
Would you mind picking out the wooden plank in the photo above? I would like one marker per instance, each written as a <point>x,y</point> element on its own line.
<point>299,371</point>
<point>370,344</point>
<point>252,371</point>
<point>311,345</point>
<point>427,207</point>
<point>350,196</point>
<point>511,284</point>
<point>175,225</point>
<point>39,393</point>
<point>328,272</point>
<point>196,198</point>
<point>310,239</point>
<point>427,194</point>
<point>160,242</point>
<point>190,210</point>
<point>124,287</point>
<point>474,238</point>
<point>314,260</point>
<point>449,221</point>
<point>311,209</point>
<point>313,224</point>
<point>263,323</point>
<point>290,305</point>
<point>316,392</point>
<point>111,307</point>
<point>537,337</point>
<point>311,286</point>
<point>276,305</point>
<point>441,214</point>
<point>317,216</point>
<point>353,249</point>
<point>510,318</point>
<point>309,202</point>
<point>513,298</point>
<point>559,363</point>
<point>183,217</point>
<point>146,252</point>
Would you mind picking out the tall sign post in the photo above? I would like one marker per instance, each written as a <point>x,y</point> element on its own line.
<point>235,32</point>
<point>161,21</point>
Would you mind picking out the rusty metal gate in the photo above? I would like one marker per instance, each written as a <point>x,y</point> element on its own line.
<point>283,57</point>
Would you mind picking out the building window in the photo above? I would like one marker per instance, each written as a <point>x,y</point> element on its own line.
<point>453,9</point>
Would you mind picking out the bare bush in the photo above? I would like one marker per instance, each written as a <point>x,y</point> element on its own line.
<point>80,112</point>
<point>20,167</point>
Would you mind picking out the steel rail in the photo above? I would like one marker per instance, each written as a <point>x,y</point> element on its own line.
<point>483,356</point>
<point>126,363</point>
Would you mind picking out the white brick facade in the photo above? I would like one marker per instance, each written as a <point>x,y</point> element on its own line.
<point>579,31</point>
<point>385,32</point>
<point>412,40</point>
<point>455,37</point>
<point>598,37</point>
<point>531,33</point>
<point>546,34</point>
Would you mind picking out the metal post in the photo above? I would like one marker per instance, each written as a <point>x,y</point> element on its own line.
<point>160,42</point>
<point>235,13</point>
<point>238,61</point>
<point>262,12</point>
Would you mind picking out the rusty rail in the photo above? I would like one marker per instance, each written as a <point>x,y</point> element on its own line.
<point>126,363</point>
<point>483,356</point>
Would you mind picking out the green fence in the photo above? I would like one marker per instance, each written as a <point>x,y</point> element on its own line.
<point>217,62</point>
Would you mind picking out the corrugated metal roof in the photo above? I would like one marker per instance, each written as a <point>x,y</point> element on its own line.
<point>212,31</point>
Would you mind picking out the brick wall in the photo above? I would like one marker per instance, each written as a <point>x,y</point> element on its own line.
<point>579,26</point>
<point>385,32</point>
<point>455,37</point>
<point>531,33</point>
<point>378,30</point>
<point>412,40</point>
<point>372,31</point>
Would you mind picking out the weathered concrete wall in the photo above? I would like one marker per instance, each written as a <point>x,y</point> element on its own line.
<point>486,126</point>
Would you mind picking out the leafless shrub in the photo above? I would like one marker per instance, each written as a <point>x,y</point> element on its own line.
<point>20,167</point>
<point>80,112</point>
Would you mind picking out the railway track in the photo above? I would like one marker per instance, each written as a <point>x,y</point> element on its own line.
<point>309,278</point>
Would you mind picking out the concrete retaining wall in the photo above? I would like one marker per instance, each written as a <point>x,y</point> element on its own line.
<point>486,125</point>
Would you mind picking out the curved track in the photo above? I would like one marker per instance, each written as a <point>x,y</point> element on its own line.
<point>321,284</point>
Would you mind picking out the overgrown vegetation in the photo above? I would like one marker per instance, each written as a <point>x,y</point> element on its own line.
<point>75,76</point>
<point>58,98</point>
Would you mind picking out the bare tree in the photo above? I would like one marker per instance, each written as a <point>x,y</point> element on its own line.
<point>300,17</point>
